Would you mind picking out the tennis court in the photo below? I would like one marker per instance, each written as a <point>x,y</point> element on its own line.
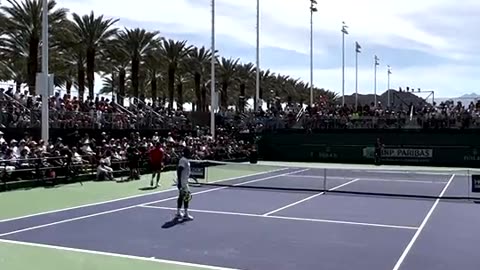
<point>277,218</point>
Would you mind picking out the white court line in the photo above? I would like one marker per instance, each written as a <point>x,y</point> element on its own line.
<point>126,198</point>
<point>422,225</point>
<point>373,179</point>
<point>133,206</point>
<point>116,255</point>
<point>286,218</point>
<point>306,199</point>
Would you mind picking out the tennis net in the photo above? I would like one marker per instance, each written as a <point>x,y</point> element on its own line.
<point>376,181</point>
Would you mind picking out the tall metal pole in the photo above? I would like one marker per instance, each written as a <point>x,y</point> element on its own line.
<point>344,32</point>
<point>257,85</point>
<point>212,80</point>
<point>388,84</point>
<point>312,10</point>
<point>356,76</point>
<point>45,90</point>
<point>375,80</point>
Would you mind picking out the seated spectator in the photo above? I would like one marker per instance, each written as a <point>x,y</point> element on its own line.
<point>104,171</point>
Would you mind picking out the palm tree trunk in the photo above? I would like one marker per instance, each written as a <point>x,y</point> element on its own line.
<point>91,72</point>
<point>180,96</point>
<point>68,86</point>
<point>171,86</point>
<point>198,95</point>
<point>121,86</point>
<point>32,66</point>
<point>81,82</point>
<point>18,86</point>
<point>153,85</point>
<point>241,101</point>
<point>204,99</point>
<point>224,97</point>
<point>135,79</point>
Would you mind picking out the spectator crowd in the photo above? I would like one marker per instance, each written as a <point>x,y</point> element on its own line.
<point>25,156</point>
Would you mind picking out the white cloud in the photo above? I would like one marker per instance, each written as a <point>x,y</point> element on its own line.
<point>438,27</point>
<point>437,78</point>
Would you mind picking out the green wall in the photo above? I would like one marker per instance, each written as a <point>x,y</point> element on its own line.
<point>430,147</point>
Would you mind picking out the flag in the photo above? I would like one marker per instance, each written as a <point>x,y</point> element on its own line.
<point>358,48</point>
<point>344,28</point>
<point>377,63</point>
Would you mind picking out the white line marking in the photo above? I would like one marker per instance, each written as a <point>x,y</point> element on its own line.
<point>374,179</point>
<point>133,206</point>
<point>286,218</point>
<point>306,199</point>
<point>116,255</point>
<point>422,225</point>
<point>126,198</point>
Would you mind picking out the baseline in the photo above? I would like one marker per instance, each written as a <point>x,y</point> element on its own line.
<point>133,206</point>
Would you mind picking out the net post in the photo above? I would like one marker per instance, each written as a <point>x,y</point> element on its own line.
<point>469,185</point>
<point>206,174</point>
<point>325,180</point>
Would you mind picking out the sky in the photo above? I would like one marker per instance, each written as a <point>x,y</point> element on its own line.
<point>429,44</point>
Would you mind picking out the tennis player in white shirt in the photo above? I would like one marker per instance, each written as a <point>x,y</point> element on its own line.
<point>184,195</point>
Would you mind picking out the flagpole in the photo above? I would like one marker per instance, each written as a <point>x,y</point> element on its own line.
<point>45,91</point>
<point>312,9</point>
<point>257,90</point>
<point>375,80</point>
<point>388,85</point>
<point>212,80</point>
<point>356,77</point>
<point>344,32</point>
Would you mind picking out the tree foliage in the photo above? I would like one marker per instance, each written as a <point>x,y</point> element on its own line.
<point>132,62</point>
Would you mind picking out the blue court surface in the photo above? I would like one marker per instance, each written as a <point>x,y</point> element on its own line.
<point>247,228</point>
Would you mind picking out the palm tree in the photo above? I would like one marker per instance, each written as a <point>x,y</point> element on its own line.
<point>244,78</point>
<point>153,65</point>
<point>115,62</point>
<point>198,61</point>
<point>93,32</point>
<point>174,53</point>
<point>137,43</point>
<point>24,22</point>
<point>227,72</point>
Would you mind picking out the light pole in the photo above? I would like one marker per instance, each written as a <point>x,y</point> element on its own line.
<point>313,9</point>
<point>377,63</point>
<point>344,32</point>
<point>257,84</point>
<point>389,72</point>
<point>212,80</point>
<point>45,87</point>
<point>358,49</point>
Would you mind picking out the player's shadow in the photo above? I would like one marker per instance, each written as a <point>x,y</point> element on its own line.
<point>146,188</point>
<point>172,223</point>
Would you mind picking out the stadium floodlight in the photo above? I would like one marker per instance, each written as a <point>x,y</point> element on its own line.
<point>212,80</point>
<point>344,32</point>
<point>313,9</point>
<point>45,85</point>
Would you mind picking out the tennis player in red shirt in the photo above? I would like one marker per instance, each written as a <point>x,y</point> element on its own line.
<point>156,162</point>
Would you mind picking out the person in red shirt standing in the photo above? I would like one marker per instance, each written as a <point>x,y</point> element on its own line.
<point>156,162</point>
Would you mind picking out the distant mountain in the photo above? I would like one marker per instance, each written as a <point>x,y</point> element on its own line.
<point>464,99</point>
<point>472,95</point>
